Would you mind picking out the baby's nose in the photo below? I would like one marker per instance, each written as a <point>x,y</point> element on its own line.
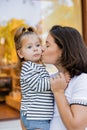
<point>35,48</point>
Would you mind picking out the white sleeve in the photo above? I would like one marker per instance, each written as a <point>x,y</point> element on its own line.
<point>79,93</point>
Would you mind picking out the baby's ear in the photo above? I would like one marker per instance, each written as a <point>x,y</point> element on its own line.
<point>19,53</point>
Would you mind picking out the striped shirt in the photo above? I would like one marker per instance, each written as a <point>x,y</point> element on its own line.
<point>37,98</point>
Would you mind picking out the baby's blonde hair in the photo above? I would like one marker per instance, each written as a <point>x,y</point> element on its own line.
<point>20,33</point>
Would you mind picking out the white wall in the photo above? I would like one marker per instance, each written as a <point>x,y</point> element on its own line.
<point>29,10</point>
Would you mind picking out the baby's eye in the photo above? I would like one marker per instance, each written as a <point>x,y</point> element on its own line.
<point>38,45</point>
<point>29,46</point>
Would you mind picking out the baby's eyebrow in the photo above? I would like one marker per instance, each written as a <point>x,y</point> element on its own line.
<point>37,42</point>
<point>29,43</point>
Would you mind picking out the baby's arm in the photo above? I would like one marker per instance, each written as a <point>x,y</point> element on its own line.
<point>37,80</point>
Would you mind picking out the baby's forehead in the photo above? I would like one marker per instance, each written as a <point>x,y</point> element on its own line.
<point>30,35</point>
<point>30,38</point>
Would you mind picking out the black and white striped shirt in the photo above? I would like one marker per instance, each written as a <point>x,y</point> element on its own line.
<point>37,98</point>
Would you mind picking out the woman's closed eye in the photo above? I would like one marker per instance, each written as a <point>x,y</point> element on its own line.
<point>47,45</point>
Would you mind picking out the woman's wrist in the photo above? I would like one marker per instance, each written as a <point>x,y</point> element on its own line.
<point>58,92</point>
<point>59,96</point>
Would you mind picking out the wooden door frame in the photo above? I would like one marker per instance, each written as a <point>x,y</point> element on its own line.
<point>84,19</point>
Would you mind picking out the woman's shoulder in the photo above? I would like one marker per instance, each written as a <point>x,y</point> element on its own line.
<point>78,83</point>
<point>80,78</point>
<point>83,75</point>
<point>79,90</point>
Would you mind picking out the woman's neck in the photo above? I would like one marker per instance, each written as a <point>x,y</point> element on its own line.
<point>61,69</point>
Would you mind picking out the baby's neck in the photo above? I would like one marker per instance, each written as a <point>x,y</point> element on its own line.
<point>39,62</point>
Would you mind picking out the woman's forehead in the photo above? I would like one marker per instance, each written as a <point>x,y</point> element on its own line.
<point>49,38</point>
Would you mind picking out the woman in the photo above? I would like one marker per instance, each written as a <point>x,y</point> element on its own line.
<point>68,53</point>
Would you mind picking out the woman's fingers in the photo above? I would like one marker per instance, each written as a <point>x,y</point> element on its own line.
<point>58,83</point>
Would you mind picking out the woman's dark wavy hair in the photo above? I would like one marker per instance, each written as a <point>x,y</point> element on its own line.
<point>74,50</point>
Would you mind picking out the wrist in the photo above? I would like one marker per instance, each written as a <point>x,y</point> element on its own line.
<point>59,96</point>
<point>58,92</point>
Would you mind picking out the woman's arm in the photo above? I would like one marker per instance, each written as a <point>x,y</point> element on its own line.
<point>75,116</point>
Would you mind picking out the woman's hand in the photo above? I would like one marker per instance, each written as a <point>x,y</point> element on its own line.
<point>59,83</point>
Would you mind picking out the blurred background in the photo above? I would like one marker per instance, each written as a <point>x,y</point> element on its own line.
<point>42,14</point>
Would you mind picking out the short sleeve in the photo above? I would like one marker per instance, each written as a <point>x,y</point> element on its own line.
<point>79,91</point>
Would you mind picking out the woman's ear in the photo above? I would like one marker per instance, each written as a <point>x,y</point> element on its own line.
<point>19,53</point>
